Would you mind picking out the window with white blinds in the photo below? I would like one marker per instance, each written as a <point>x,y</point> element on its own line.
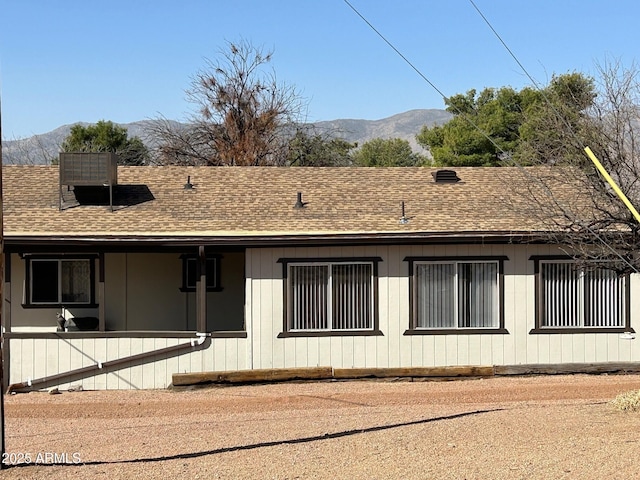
<point>456,295</point>
<point>574,298</point>
<point>330,296</point>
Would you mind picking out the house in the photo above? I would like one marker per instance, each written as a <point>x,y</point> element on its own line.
<point>122,281</point>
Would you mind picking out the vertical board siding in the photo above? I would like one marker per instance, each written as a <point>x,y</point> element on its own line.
<point>264,311</point>
<point>395,349</point>
<point>44,357</point>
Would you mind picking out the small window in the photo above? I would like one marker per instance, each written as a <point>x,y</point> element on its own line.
<point>61,281</point>
<point>335,296</point>
<point>456,295</point>
<point>571,297</point>
<point>190,274</point>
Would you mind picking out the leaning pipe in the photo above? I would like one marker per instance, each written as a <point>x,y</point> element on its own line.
<point>59,377</point>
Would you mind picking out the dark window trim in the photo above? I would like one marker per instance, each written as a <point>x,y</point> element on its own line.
<point>539,307</point>
<point>456,331</point>
<point>92,281</point>
<point>375,330</point>
<point>330,333</point>
<point>413,314</point>
<point>216,287</point>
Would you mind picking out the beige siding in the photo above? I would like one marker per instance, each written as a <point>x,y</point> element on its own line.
<point>39,358</point>
<point>129,305</point>
<point>33,319</point>
<point>393,348</point>
<point>142,292</point>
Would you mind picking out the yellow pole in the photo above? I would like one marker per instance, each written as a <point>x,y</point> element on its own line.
<point>613,184</point>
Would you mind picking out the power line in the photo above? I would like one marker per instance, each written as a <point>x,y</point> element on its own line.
<point>466,118</point>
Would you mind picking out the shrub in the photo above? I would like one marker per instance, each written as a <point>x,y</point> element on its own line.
<point>627,402</point>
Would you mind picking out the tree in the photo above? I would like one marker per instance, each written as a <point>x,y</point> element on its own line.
<point>553,113</point>
<point>394,152</point>
<point>30,151</point>
<point>243,115</point>
<point>105,136</point>
<point>462,140</point>
<point>604,115</point>
<point>316,150</point>
<point>490,129</point>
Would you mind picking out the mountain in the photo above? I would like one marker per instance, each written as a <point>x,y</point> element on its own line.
<point>40,149</point>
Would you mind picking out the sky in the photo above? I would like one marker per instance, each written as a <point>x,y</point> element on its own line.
<point>69,61</point>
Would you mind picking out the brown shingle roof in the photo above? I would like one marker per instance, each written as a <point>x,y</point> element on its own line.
<point>258,201</point>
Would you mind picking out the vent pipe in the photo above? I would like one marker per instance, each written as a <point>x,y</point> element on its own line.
<point>299,202</point>
<point>188,185</point>
<point>403,219</point>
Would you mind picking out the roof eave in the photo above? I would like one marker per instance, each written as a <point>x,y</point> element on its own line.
<point>27,242</point>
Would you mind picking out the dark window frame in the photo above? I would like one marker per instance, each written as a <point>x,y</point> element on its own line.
<point>539,302</point>
<point>413,314</point>
<point>188,260</point>
<point>28,302</point>
<point>375,328</point>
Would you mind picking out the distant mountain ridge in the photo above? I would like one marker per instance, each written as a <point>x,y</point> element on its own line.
<point>40,149</point>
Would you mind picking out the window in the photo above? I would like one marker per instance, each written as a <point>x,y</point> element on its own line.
<point>333,296</point>
<point>61,281</point>
<point>456,294</point>
<point>190,273</point>
<point>570,297</point>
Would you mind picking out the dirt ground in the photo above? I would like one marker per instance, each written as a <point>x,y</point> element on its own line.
<point>498,428</point>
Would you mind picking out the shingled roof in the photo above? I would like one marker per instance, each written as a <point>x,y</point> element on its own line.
<point>236,203</point>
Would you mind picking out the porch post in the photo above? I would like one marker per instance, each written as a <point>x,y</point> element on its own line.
<point>201,291</point>
<point>6,294</point>
<point>101,306</point>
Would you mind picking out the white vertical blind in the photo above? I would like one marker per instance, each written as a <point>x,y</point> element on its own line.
<point>457,295</point>
<point>435,294</point>
<point>352,296</point>
<point>604,299</point>
<point>478,295</point>
<point>331,296</point>
<point>575,298</point>
<point>309,297</point>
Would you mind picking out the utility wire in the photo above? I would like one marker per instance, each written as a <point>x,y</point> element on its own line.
<point>562,119</point>
<point>545,187</point>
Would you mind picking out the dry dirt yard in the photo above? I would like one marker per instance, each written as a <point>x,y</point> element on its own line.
<point>544,427</point>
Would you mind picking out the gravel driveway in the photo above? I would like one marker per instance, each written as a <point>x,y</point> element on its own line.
<point>497,428</point>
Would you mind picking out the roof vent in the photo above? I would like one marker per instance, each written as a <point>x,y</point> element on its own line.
<point>445,176</point>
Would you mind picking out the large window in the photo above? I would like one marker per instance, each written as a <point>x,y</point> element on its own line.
<point>59,281</point>
<point>455,294</point>
<point>330,296</point>
<point>572,297</point>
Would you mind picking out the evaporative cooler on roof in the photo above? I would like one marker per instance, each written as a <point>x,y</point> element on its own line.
<point>89,169</point>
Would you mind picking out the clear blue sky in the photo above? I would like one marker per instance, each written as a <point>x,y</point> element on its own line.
<point>66,61</point>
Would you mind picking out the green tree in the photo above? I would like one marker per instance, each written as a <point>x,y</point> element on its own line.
<point>556,121</point>
<point>462,140</point>
<point>105,136</point>
<point>394,152</point>
<point>496,122</point>
<point>603,114</point>
<point>316,150</point>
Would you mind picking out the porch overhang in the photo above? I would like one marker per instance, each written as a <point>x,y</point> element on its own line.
<point>118,243</point>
